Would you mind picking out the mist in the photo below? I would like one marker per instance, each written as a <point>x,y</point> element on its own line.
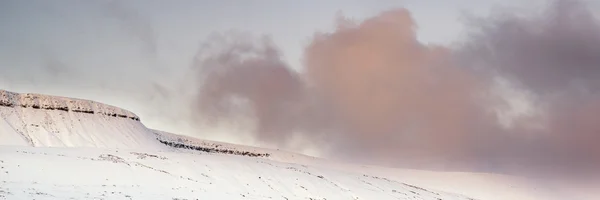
<point>553,56</point>
<point>105,51</point>
<point>370,92</point>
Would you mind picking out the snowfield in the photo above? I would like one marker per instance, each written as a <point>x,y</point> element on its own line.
<point>62,148</point>
<point>87,173</point>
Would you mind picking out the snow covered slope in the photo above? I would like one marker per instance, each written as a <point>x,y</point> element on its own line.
<point>93,173</point>
<point>50,121</point>
<point>130,161</point>
<point>186,142</point>
<point>474,185</point>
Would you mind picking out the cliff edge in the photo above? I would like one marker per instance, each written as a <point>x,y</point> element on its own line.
<point>50,121</point>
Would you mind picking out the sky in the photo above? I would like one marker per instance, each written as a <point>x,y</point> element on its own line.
<point>105,43</point>
<point>440,84</point>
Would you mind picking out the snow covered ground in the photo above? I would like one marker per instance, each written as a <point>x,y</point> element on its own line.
<point>99,173</point>
<point>61,148</point>
<point>93,173</point>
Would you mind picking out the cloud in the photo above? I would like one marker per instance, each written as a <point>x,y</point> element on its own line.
<point>553,56</point>
<point>368,88</point>
<point>369,91</point>
<point>548,52</point>
<point>235,71</point>
<point>392,95</point>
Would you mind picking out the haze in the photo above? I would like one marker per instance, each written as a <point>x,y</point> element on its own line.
<point>462,85</point>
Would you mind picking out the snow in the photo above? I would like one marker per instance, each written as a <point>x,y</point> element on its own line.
<point>93,173</point>
<point>276,155</point>
<point>8,136</point>
<point>62,148</point>
<point>50,121</point>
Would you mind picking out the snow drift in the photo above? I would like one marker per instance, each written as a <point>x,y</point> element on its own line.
<point>50,121</point>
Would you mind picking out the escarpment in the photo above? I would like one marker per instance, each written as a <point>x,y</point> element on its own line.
<point>46,102</point>
<point>51,121</point>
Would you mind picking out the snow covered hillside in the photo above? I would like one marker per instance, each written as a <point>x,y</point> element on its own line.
<point>93,173</point>
<point>186,142</point>
<point>62,148</point>
<point>50,121</point>
<point>474,185</point>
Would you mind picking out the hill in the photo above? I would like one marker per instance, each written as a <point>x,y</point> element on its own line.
<point>49,121</point>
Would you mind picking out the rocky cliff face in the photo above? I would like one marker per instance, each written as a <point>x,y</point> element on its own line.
<point>46,102</point>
